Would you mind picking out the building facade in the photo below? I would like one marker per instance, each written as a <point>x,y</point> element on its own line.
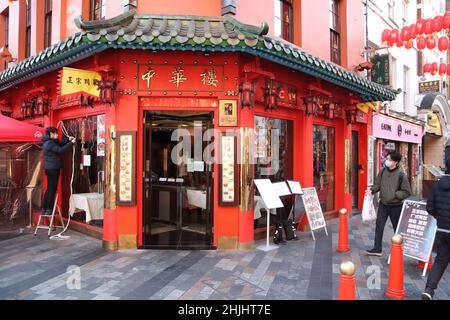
<point>251,99</point>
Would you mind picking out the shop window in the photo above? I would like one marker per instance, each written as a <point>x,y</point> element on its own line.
<point>48,23</point>
<point>273,154</point>
<point>88,166</point>
<point>323,165</point>
<point>283,19</point>
<point>28,30</point>
<point>335,32</point>
<point>97,9</point>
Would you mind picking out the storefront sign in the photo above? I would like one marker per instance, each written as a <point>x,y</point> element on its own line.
<point>101,133</point>
<point>429,86</point>
<point>77,80</point>
<point>126,168</point>
<point>380,69</point>
<point>228,172</point>
<point>418,230</point>
<point>313,209</point>
<point>388,128</point>
<point>433,125</point>
<point>287,95</point>
<point>228,113</point>
<point>196,78</point>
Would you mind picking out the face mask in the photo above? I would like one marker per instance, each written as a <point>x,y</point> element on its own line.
<point>388,164</point>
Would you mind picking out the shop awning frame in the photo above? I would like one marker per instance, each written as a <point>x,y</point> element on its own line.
<point>187,33</point>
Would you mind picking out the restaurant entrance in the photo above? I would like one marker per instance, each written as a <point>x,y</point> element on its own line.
<point>178,187</point>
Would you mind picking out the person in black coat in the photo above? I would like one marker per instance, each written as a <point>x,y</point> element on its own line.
<point>438,205</point>
<point>53,149</point>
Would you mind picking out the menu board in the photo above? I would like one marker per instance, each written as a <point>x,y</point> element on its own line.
<point>281,188</point>
<point>126,168</point>
<point>418,230</point>
<point>101,132</point>
<point>268,193</point>
<point>295,187</point>
<point>228,175</point>
<point>313,209</point>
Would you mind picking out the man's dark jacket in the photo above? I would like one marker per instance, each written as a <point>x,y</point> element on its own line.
<point>438,204</point>
<point>393,186</point>
<point>53,149</point>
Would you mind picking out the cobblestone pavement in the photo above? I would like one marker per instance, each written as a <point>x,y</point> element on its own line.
<point>37,268</point>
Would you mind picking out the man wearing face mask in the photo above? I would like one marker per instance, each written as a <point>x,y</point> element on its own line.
<point>393,185</point>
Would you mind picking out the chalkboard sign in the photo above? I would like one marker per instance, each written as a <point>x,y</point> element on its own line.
<point>418,230</point>
<point>313,209</point>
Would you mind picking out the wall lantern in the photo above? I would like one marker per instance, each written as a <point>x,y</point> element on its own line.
<point>311,103</point>
<point>25,106</point>
<point>351,115</point>
<point>329,110</point>
<point>247,94</point>
<point>270,95</point>
<point>41,106</point>
<point>86,101</point>
<point>107,91</point>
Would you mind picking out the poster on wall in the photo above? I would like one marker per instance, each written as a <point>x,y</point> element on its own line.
<point>313,210</point>
<point>228,172</point>
<point>101,134</point>
<point>418,230</point>
<point>260,137</point>
<point>126,168</point>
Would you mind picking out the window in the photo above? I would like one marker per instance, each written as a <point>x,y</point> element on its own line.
<point>6,33</point>
<point>28,30</point>
<point>420,63</point>
<point>393,70</point>
<point>48,24</point>
<point>406,87</point>
<point>391,9</point>
<point>323,165</point>
<point>405,11</point>
<point>97,10</point>
<point>129,5</point>
<point>335,32</point>
<point>283,19</point>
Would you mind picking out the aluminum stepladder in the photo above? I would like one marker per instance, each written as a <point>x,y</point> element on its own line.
<point>50,226</point>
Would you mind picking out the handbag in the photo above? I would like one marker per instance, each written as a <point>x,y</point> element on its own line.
<point>368,212</point>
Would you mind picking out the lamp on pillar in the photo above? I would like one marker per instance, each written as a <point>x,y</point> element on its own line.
<point>329,110</point>
<point>24,106</point>
<point>42,105</point>
<point>311,104</point>
<point>107,90</point>
<point>270,95</point>
<point>351,115</point>
<point>247,94</point>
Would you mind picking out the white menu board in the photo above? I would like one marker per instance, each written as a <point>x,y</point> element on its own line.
<point>295,187</point>
<point>281,188</point>
<point>268,193</point>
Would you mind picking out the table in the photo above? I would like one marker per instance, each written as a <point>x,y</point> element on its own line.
<point>91,203</point>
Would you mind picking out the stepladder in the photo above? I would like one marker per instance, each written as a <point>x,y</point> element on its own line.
<point>50,226</point>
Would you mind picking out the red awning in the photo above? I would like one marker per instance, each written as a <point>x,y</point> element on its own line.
<point>17,131</point>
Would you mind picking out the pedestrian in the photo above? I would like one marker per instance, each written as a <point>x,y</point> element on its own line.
<point>393,185</point>
<point>53,149</point>
<point>438,205</point>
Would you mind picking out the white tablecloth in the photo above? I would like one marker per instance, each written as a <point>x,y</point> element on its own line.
<point>91,203</point>
<point>196,198</point>
<point>259,204</point>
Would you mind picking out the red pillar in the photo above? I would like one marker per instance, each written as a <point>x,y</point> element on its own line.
<point>343,198</point>
<point>306,163</point>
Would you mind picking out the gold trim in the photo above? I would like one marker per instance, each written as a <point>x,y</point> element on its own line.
<point>227,243</point>
<point>110,170</point>
<point>246,245</point>
<point>110,245</point>
<point>127,241</point>
<point>246,170</point>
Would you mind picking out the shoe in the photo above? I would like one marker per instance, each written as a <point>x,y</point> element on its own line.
<point>374,252</point>
<point>428,294</point>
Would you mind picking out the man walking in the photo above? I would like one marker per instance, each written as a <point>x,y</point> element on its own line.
<point>53,149</point>
<point>393,185</point>
<point>438,205</point>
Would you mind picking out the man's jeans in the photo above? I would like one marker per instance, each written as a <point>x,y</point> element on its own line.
<point>393,212</point>
<point>442,259</point>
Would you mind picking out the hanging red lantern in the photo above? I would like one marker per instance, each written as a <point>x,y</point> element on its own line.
<point>428,26</point>
<point>442,69</point>
<point>427,68</point>
<point>448,69</point>
<point>395,36</point>
<point>412,31</point>
<point>421,43</point>
<point>409,44</point>
<point>434,68</point>
<point>437,24</point>
<point>446,21</point>
<point>431,43</point>
<point>404,34</point>
<point>443,43</point>
<point>386,36</point>
<point>419,26</point>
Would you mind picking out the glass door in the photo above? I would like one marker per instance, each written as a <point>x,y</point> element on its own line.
<point>178,180</point>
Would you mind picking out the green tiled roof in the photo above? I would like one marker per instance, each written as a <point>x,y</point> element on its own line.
<point>187,33</point>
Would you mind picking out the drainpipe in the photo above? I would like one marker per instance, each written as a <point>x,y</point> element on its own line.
<point>228,7</point>
<point>366,44</point>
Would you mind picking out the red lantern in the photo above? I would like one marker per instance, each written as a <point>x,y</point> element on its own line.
<point>448,69</point>
<point>399,43</point>
<point>421,43</point>
<point>427,68</point>
<point>412,31</point>
<point>434,68</point>
<point>404,34</point>
<point>386,36</point>
<point>437,24</point>
<point>247,94</point>
<point>431,43</point>
<point>446,21</point>
<point>428,26</point>
<point>443,43</point>
<point>419,27</point>
<point>395,36</point>
<point>409,44</point>
<point>442,69</point>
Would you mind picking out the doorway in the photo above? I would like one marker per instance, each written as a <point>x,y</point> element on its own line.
<point>355,169</point>
<point>178,180</point>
